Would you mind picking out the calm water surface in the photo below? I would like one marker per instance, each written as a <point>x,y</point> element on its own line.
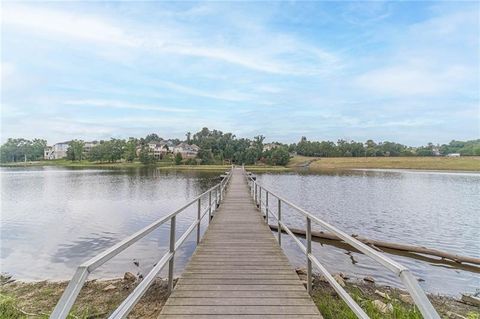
<point>53,219</point>
<point>433,209</point>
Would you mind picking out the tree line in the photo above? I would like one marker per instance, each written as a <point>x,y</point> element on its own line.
<point>370,148</point>
<point>218,147</point>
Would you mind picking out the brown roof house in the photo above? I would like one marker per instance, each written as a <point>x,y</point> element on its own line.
<point>186,150</point>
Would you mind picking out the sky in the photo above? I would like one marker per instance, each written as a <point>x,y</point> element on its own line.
<point>405,71</point>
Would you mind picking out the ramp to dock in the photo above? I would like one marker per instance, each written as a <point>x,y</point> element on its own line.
<point>238,270</point>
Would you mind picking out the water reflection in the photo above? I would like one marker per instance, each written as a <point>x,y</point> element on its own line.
<point>53,219</point>
<point>438,210</point>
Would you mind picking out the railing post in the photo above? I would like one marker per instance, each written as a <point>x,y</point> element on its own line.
<point>279,220</point>
<point>199,212</point>
<point>209,206</point>
<point>266,207</point>
<point>221,195</point>
<point>309,251</point>
<point>255,192</point>
<point>260,198</point>
<point>216,198</point>
<point>172,251</point>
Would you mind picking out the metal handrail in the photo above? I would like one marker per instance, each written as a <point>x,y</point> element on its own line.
<point>70,294</point>
<point>414,289</point>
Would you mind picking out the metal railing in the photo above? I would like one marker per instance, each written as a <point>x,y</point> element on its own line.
<point>70,294</point>
<point>418,295</point>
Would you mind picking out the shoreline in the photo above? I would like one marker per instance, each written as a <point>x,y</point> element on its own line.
<point>466,164</point>
<point>100,297</point>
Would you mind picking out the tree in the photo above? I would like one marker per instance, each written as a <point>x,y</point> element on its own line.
<point>20,149</point>
<point>279,156</point>
<point>151,137</point>
<point>178,159</point>
<point>145,156</point>
<point>130,152</point>
<point>75,150</point>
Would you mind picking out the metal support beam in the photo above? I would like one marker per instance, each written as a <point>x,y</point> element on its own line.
<point>199,212</point>
<point>173,223</point>
<point>309,251</point>
<point>279,218</point>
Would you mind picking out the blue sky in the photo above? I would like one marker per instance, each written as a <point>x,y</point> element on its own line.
<point>401,71</point>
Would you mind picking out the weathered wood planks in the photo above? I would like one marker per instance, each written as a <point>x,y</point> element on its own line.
<point>238,270</point>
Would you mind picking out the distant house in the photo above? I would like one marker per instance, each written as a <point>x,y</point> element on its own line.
<point>269,146</point>
<point>56,151</point>
<point>436,151</point>
<point>186,150</point>
<point>158,149</point>
<point>453,155</point>
<point>87,147</point>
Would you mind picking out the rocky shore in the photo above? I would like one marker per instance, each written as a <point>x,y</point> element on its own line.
<point>99,298</point>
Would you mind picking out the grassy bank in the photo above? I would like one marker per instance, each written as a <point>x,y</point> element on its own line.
<point>383,302</point>
<point>470,163</point>
<point>96,300</point>
<point>166,165</point>
<point>99,298</point>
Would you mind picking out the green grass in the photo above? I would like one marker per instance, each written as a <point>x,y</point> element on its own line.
<point>465,163</point>
<point>165,164</point>
<point>8,308</point>
<point>332,307</point>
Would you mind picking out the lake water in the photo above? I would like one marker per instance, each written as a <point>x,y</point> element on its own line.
<point>53,219</point>
<point>433,209</point>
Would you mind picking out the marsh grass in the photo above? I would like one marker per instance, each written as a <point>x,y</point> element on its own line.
<point>466,163</point>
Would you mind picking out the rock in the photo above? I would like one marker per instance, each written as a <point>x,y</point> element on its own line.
<point>109,287</point>
<point>382,307</point>
<point>301,271</point>
<point>454,315</point>
<point>382,294</point>
<point>345,277</point>
<point>406,298</point>
<point>129,276</point>
<point>340,280</point>
<point>322,278</point>
<point>369,279</point>
<point>389,307</point>
<point>471,300</point>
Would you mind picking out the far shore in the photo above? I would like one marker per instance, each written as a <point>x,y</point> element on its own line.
<point>434,163</point>
<point>313,164</point>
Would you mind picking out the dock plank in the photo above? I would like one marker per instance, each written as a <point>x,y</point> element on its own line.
<point>238,270</point>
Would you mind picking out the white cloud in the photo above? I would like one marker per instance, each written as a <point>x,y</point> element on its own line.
<point>125,105</point>
<point>229,95</point>
<point>38,20</point>
<point>268,56</point>
<point>414,79</point>
<point>434,57</point>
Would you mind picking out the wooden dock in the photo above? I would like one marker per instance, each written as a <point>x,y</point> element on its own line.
<point>238,270</point>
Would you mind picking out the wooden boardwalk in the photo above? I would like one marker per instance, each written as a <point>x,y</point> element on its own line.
<point>238,270</point>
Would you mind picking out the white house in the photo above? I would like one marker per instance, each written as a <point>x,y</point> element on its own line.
<point>269,146</point>
<point>56,151</point>
<point>159,149</point>
<point>87,147</point>
<point>186,150</point>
